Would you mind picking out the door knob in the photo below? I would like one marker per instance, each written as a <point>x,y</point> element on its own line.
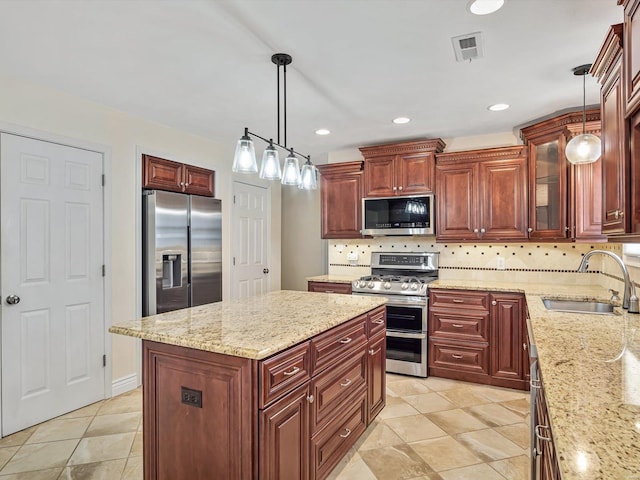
<point>13,299</point>
<point>265,270</point>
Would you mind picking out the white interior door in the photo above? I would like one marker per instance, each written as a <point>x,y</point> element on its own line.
<point>250,241</point>
<point>52,255</point>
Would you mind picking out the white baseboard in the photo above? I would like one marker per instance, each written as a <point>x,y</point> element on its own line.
<point>124,384</point>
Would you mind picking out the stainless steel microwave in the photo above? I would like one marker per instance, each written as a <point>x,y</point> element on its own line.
<point>398,215</point>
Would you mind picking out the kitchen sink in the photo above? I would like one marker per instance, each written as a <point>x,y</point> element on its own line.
<point>578,306</point>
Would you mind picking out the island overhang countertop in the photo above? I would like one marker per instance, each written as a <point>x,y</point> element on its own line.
<point>255,327</point>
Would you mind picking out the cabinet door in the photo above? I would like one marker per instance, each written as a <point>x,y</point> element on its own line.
<point>379,173</point>
<point>198,181</point>
<point>614,157</point>
<point>633,210</point>
<point>632,54</point>
<point>506,336</point>
<point>341,203</point>
<point>503,213</point>
<point>161,174</point>
<point>548,188</point>
<point>284,438</point>
<point>415,173</point>
<point>587,201</point>
<point>549,468</point>
<point>457,207</point>
<point>376,384</point>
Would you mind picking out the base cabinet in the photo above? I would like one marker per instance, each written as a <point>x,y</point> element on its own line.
<point>329,287</point>
<point>547,466</point>
<point>376,353</point>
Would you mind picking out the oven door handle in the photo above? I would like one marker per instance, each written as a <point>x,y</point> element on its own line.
<point>395,333</point>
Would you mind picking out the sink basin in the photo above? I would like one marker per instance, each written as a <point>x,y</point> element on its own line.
<point>578,306</point>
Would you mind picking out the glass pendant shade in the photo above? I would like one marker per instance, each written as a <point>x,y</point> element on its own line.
<point>584,148</point>
<point>291,171</point>
<point>308,177</point>
<point>270,168</point>
<point>244,160</point>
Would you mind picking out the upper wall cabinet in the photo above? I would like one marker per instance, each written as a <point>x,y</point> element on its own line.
<point>162,174</point>
<point>400,168</point>
<point>631,55</point>
<point>562,197</point>
<point>482,195</point>
<point>341,188</point>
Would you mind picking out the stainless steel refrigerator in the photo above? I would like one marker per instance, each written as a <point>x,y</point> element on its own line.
<point>181,251</point>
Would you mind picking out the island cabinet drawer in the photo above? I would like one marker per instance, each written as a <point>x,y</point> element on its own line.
<point>330,444</point>
<point>377,321</point>
<point>342,340</point>
<point>468,358</point>
<point>332,388</point>
<point>472,325</point>
<point>284,372</point>
<point>329,287</point>
<point>459,298</point>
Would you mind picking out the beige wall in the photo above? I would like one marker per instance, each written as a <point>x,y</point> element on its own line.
<point>28,106</point>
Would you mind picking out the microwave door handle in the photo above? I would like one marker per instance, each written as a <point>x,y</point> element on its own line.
<point>394,333</point>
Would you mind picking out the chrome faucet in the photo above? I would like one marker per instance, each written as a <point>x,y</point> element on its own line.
<point>630,299</point>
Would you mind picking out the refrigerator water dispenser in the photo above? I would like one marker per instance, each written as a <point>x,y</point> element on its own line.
<point>171,271</point>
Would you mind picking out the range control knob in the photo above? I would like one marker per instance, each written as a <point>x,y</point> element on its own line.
<point>356,283</point>
<point>371,285</point>
<point>387,285</point>
<point>404,285</point>
<point>414,286</point>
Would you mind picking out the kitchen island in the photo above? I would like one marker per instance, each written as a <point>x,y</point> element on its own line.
<point>277,386</point>
<point>590,366</point>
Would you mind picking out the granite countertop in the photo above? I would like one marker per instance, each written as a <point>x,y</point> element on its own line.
<point>334,278</point>
<point>254,327</point>
<point>590,367</point>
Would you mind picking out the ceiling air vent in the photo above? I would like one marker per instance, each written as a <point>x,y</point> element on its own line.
<point>468,47</point>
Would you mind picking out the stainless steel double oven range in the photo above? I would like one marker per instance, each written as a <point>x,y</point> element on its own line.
<point>402,278</point>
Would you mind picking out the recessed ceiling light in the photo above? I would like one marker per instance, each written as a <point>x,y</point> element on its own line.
<point>497,107</point>
<point>484,7</point>
<point>401,120</point>
<point>323,131</point>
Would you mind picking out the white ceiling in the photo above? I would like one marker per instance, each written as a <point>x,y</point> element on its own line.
<point>204,65</point>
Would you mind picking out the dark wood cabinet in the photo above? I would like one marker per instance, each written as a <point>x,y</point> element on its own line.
<point>632,55</point>
<point>547,461</point>
<point>482,195</point>
<point>329,287</point>
<point>564,200</point>
<point>477,337</point>
<point>162,174</point>
<point>377,390</point>
<point>400,168</point>
<point>341,191</point>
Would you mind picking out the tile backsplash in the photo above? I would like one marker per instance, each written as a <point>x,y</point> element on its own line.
<point>517,262</point>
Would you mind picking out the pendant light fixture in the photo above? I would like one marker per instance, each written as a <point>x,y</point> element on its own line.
<point>244,160</point>
<point>583,148</point>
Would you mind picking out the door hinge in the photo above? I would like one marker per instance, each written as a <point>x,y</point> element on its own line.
<point>234,261</point>
<point>104,360</point>
<point>234,199</point>
<point>103,180</point>
<point>104,270</point>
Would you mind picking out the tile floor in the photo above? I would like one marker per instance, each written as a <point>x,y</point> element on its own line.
<point>430,429</point>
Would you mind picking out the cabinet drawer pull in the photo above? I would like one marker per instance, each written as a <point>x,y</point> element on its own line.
<point>534,383</point>
<point>380,321</point>
<point>457,325</point>
<point>373,352</point>
<point>329,291</point>
<point>494,303</point>
<point>346,434</point>
<point>292,372</point>
<point>344,341</point>
<point>524,346</point>
<point>310,399</point>
<point>455,355</point>
<point>457,300</point>
<point>346,383</point>
<point>539,435</point>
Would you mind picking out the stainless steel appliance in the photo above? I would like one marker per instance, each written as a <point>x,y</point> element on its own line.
<point>181,251</point>
<point>402,278</point>
<point>398,215</point>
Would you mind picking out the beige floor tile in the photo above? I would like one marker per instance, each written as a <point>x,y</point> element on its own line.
<point>6,453</point>
<point>40,456</point>
<point>516,468</point>
<point>393,377</point>
<point>115,423</point>
<point>88,411</point>
<point>494,414</point>
<point>94,471</point>
<point>352,467</point>
<point>48,474</point>
<point>402,409</point>
<point>440,384</point>
<point>429,402</point>
<point>518,433</point>
<point>18,438</point>
<point>444,453</point>
<point>136,447</point>
<point>519,407</point>
<point>481,471</point>
<point>390,394</point>
<point>464,397</point>
<point>60,429</point>
<point>395,463</point>
<point>489,445</point>
<point>133,470</point>
<point>497,394</point>
<point>381,435</point>
<point>402,388</point>
<point>100,449</point>
<point>394,400</point>
<point>456,421</point>
<point>414,428</point>
<point>125,403</point>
